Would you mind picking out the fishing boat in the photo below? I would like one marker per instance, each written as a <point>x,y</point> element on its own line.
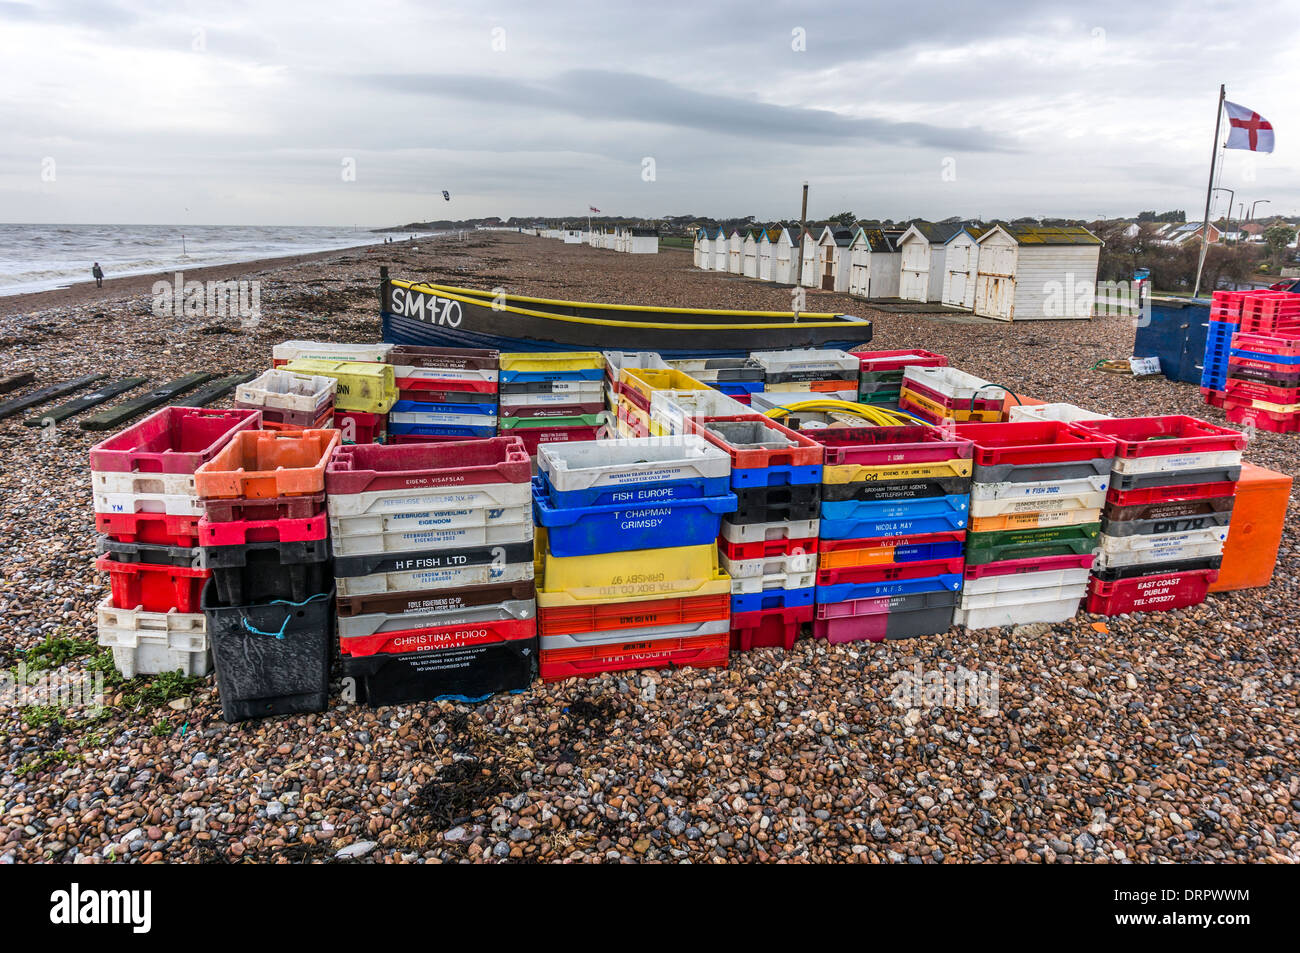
<point>441,315</point>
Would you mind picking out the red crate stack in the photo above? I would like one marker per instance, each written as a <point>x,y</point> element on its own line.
<point>1263,383</point>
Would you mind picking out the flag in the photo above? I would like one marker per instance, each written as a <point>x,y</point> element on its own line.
<point>446,195</point>
<point>593,209</point>
<point>1247,129</point>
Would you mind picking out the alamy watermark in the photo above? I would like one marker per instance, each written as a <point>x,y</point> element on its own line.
<point>213,299</point>
<point>1085,298</point>
<point>22,687</point>
<point>958,688</point>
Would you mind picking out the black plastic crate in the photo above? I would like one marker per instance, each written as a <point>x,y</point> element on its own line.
<point>766,504</point>
<point>425,600</point>
<point>154,553</point>
<point>1164,524</point>
<point>1138,481</point>
<point>885,490</point>
<point>1157,569</point>
<point>463,674</point>
<point>261,572</point>
<point>346,566</point>
<point>271,659</point>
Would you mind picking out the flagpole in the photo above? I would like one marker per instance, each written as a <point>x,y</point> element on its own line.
<point>1209,191</point>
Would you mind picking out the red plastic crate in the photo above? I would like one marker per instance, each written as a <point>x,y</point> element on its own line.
<point>1169,494</point>
<point>1283,345</point>
<point>160,529</point>
<point>554,410</point>
<point>358,426</point>
<point>887,446</point>
<point>445,384</point>
<point>806,452</point>
<point>1243,412</point>
<point>880,550</point>
<point>897,360</point>
<point>272,508</point>
<point>1036,441</point>
<point>401,641</point>
<point>1244,390</point>
<point>1226,305</point>
<point>153,588</point>
<point>535,436</point>
<point>367,468</point>
<point>573,620</point>
<point>769,628</point>
<point>1268,367</point>
<point>767,548</point>
<point>890,572</point>
<point>702,651</point>
<point>950,403</point>
<point>1162,436</point>
<point>239,532</point>
<point>1012,567</point>
<point>1157,593</point>
<point>171,440</point>
<point>1213,397</point>
<point>395,439</point>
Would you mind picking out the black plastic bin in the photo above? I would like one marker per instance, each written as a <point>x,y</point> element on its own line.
<point>271,659</point>
<point>154,553</point>
<point>252,573</point>
<point>882,491</point>
<point>469,674</point>
<point>768,504</point>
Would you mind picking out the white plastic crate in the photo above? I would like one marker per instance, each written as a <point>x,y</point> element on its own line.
<point>952,383</point>
<point>1146,548</point>
<point>791,564</point>
<point>110,483</point>
<point>471,496</point>
<point>672,408</point>
<point>1073,490</point>
<point>373,623</point>
<point>412,521</point>
<point>150,643</point>
<point>1014,582</point>
<point>516,527</point>
<point>283,390</point>
<point>743,585</point>
<point>330,351</point>
<point>649,633</point>
<point>813,359</point>
<point>415,581</point>
<point>615,463</point>
<point>409,373</point>
<point>763,401</point>
<point>1015,597</point>
<point>1066,413</point>
<point>1164,463</point>
<point>433,419</point>
<point>617,361</point>
<point>549,400</point>
<point>778,529</point>
<point>578,392</point>
<point>1063,610</point>
<point>698,368</point>
<point>1072,503</point>
<point>174,504</point>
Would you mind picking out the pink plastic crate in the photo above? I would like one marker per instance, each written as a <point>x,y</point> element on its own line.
<point>366,468</point>
<point>172,440</point>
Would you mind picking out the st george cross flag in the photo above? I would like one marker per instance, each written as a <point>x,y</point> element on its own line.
<point>597,211</point>
<point>1247,129</point>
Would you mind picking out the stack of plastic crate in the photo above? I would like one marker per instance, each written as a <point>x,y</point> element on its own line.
<point>942,395</point>
<point>825,372</point>
<point>147,514</point>
<point>737,377</point>
<point>1225,315</point>
<point>627,540</point>
<point>433,561</point>
<point>616,361</point>
<point>1035,514</point>
<point>769,544</point>
<point>1263,376</point>
<point>552,367</point>
<point>287,351</point>
<point>880,373</point>
<point>443,394</point>
<point>1066,413</point>
<point>265,541</point>
<point>670,409</point>
<point>364,392</point>
<point>895,504</point>
<point>636,389</point>
<point>1165,521</point>
<point>289,401</point>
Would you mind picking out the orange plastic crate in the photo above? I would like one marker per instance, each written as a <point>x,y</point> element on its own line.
<point>259,464</point>
<point>1255,531</point>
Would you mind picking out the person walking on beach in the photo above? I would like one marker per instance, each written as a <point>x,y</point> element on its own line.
<point>99,275</point>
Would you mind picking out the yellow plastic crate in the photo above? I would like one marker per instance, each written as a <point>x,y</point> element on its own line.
<point>906,396</point>
<point>634,576</point>
<point>1038,520</point>
<point>645,381</point>
<point>530,362</point>
<point>369,388</point>
<point>852,473</point>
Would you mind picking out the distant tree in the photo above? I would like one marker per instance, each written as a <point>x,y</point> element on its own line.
<point>1277,237</point>
<point>844,218</point>
<point>1174,215</point>
<point>1147,216</point>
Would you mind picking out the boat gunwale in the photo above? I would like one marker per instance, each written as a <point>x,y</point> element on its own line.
<point>454,293</point>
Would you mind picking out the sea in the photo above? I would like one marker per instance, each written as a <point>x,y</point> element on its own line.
<point>41,257</point>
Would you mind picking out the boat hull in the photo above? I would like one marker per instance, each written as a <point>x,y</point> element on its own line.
<point>424,318</point>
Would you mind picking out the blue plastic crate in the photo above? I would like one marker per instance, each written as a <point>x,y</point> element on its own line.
<point>589,530</point>
<point>941,522</point>
<point>440,430</point>
<point>738,388</point>
<point>1269,358</point>
<point>776,476</point>
<point>846,591</point>
<point>430,407</point>
<point>772,599</point>
<point>879,510</point>
<point>639,494</point>
<point>529,377</point>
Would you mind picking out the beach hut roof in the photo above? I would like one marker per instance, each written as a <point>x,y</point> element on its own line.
<point>875,238</point>
<point>936,233</point>
<point>973,229</point>
<point>643,232</point>
<point>1047,234</point>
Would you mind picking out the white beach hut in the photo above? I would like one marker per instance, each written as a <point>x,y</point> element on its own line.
<point>873,263</point>
<point>808,258</point>
<point>833,258</point>
<point>961,267</point>
<point>921,260</point>
<point>785,257</point>
<point>1036,273</point>
<point>766,253</point>
<point>719,250</point>
<point>734,241</point>
<point>701,248</point>
<point>643,241</point>
<point>572,236</point>
<point>749,253</point>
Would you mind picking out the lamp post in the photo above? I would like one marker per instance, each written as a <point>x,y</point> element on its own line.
<point>1252,207</point>
<point>1231,196</point>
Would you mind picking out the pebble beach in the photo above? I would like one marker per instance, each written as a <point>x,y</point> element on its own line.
<point>1147,738</point>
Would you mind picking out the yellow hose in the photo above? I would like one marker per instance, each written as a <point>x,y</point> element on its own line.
<point>878,416</point>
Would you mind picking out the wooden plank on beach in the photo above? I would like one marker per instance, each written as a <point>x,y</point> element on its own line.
<point>116,416</point>
<point>19,404</point>
<point>84,402</point>
<point>216,390</point>
<point>15,381</point>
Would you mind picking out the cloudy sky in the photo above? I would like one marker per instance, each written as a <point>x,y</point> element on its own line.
<point>343,113</point>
